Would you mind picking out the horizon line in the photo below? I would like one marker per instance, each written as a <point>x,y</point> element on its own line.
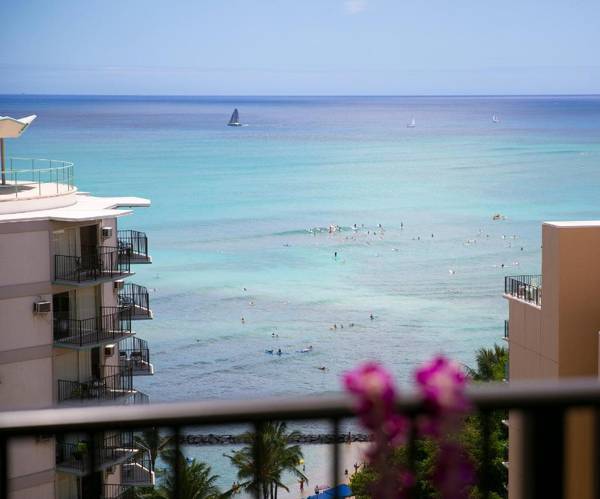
<point>297,95</point>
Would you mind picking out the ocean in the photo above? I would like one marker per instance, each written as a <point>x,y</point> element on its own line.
<point>240,217</point>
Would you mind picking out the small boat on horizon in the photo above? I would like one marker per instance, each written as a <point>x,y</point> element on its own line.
<point>412,123</point>
<point>495,119</point>
<point>235,119</point>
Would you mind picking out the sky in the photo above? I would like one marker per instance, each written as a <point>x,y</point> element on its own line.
<point>309,47</point>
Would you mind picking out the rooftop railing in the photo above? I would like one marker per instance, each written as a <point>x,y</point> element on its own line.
<point>100,262</point>
<point>136,243</point>
<point>32,177</point>
<point>115,383</point>
<point>112,324</point>
<point>135,298</point>
<point>134,354</point>
<point>524,287</point>
<point>542,407</point>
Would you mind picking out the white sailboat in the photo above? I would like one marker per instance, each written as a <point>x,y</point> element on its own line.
<point>495,119</point>
<point>235,119</point>
<point>412,123</point>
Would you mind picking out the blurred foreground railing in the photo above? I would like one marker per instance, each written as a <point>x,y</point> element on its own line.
<point>542,407</point>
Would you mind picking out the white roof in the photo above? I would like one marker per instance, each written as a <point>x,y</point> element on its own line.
<point>85,208</point>
<point>13,127</point>
<point>575,223</point>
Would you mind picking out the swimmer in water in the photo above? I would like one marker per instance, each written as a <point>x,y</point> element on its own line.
<point>371,316</point>
<point>243,321</point>
<point>322,368</point>
<point>279,352</point>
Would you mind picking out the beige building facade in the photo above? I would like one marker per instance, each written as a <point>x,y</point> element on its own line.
<point>553,330</point>
<point>66,337</point>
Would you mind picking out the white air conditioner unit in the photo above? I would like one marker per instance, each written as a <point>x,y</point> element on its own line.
<point>107,232</point>
<point>119,284</point>
<point>109,350</point>
<point>42,307</point>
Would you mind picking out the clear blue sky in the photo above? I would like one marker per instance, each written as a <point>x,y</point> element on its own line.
<point>279,47</point>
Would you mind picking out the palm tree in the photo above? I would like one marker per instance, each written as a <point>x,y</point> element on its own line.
<point>195,479</point>
<point>277,458</point>
<point>155,443</point>
<point>490,364</point>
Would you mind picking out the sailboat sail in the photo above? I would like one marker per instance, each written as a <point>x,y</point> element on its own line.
<point>235,117</point>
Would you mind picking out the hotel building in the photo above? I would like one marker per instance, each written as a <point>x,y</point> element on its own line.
<point>552,333</point>
<point>66,337</point>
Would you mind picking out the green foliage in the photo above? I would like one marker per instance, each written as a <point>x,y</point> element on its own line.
<point>490,364</point>
<point>195,479</point>
<point>278,457</point>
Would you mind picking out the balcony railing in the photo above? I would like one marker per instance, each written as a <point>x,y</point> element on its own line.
<point>33,177</point>
<point>136,243</point>
<point>134,354</point>
<point>96,263</point>
<point>135,298</point>
<point>109,450</point>
<point>524,287</point>
<point>117,491</point>
<point>115,384</point>
<point>113,324</point>
<point>138,471</point>
<point>542,407</point>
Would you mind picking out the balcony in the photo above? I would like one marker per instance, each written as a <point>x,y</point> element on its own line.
<point>134,354</point>
<point>95,264</point>
<point>74,457</point>
<point>136,244</point>
<point>117,491</point>
<point>136,299</point>
<point>544,465</point>
<point>138,472</point>
<point>115,386</point>
<point>524,287</point>
<point>112,325</point>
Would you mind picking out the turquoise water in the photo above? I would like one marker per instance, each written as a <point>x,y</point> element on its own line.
<point>232,208</point>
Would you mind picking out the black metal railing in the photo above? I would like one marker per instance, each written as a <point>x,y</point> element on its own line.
<point>524,287</point>
<point>116,382</point>
<point>138,471</point>
<point>112,324</point>
<point>109,450</point>
<point>135,242</point>
<point>135,355</point>
<point>506,329</point>
<point>542,407</point>
<point>98,262</point>
<point>136,298</point>
<point>117,491</point>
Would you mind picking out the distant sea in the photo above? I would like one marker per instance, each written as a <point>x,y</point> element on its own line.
<point>239,223</point>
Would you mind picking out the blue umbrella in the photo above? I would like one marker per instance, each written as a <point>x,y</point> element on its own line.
<point>342,491</point>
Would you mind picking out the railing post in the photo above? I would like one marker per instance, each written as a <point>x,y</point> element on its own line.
<point>543,453</point>
<point>3,466</point>
<point>177,464</point>
<point>258,458</point>
<point>335,471</point>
